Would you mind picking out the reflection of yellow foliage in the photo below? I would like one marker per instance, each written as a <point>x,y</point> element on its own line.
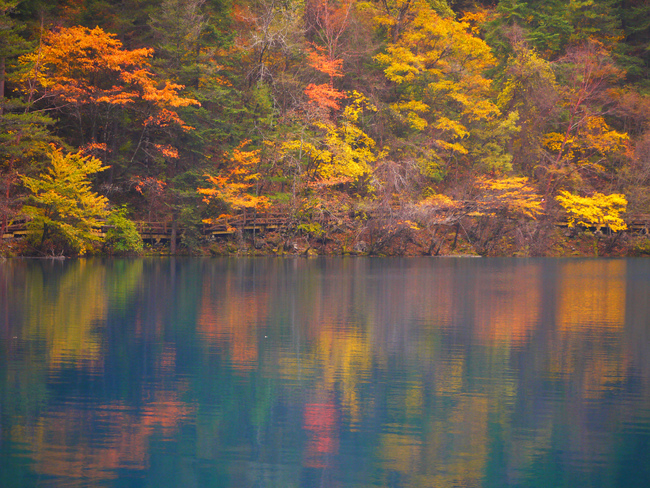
<point>456,449</point>
<point>400,452</point>
<point>66,318</point>
<point>449,376</point>
<point>343,357</point>
<point>591,293</point>
<point>592,297</point>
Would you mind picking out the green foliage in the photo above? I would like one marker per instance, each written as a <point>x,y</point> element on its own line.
<point>311,228</point>
<point>122,235</point>
<point>65,213</point>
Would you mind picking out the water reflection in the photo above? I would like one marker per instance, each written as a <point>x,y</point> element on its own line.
<point>326,372</point>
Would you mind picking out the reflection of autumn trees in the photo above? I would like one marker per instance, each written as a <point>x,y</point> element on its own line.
<point>64,318</point>
<point>426,366</point>
<point>230,318</point>
<point>508,309</point>
<point>65,306</point>
<point>62,442</point>
<point>590,318</point>
<point>345,339</point>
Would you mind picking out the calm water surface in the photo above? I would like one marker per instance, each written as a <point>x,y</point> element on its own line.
<point>325,373</point>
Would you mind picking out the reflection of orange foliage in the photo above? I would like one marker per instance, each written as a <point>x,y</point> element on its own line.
<point>510,320</point>
<point>124,446</point>
<point>229,319</point>
<point>321,420</point>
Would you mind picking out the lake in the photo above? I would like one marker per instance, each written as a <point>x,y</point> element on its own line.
<point>325,372</point>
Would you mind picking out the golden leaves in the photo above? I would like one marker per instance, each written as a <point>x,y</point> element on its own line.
<point>439,65</point>
<point>514,196</point>
<point>598,211</point>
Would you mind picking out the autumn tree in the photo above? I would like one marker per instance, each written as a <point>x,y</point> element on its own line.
<point>584,142</point>
<point>526,84</point>
<point>501,207</point>
<point>64,211</point>
<point>233,189</point>
<point>341,152</point>
<point>395,15</point>
<point>326,22</point>
<point>443,105</point>
<point>597,211</point>
<point>108,93</point>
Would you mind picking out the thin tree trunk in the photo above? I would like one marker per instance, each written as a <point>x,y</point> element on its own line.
<point>2,85</point>
<point>172,244</point>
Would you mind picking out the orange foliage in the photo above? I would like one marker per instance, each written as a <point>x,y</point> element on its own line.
<point>79,66</point>
<point>320,61</point>
<point>324,96</point>
<point>126,446</point>
<point>233,185</point>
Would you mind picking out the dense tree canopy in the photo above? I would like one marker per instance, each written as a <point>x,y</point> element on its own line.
<point>202,108</point>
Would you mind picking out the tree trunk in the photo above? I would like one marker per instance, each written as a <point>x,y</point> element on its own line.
<point>172,243</point>
<point>2,85</point>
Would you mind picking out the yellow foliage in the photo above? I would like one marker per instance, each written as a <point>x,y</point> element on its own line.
<point>590,144</point>
<point>440,64</point>
<point>346,152</point>
<point>63,202</point>
<point>511,195</point>
<point>439,201</point>
<point>597,211</point>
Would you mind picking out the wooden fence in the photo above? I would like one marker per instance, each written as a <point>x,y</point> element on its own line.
<point>162,231</point>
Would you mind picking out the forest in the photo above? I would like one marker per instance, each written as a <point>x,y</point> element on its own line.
<point>375,127</point>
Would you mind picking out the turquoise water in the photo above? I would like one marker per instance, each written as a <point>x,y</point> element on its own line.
<point>350,372</point>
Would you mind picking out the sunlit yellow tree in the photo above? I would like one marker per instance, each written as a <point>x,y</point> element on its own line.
<point>437,66</point>
<point>598,210</point>
<point>342,152</point>
<point>503,205</point>
<point>514,197</point>
<point>64,211</point>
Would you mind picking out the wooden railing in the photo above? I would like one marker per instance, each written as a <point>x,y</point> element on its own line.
<point>159,231</point>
